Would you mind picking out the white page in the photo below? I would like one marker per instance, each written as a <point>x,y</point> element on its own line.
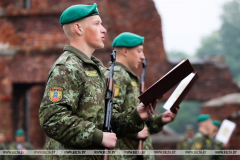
<point>225,131</point>
<point>177,92</point>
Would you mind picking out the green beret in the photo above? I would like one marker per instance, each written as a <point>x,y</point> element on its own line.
<point>127,39</point>
<point>77,12</point>
<point>20,132</point>
<point>216,123</point>
<point>203,117</point>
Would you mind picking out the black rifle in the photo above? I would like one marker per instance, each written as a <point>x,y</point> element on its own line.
<point>140,142</point>
<point>109,100</point>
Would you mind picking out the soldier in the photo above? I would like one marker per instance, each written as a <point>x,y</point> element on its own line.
<point>186,142</point>
<point>2,145</point>
<point>72,109</point>
<point>202,140</point>
<point>216,145</point>
<point>21,145</point>
<point>129,48</point>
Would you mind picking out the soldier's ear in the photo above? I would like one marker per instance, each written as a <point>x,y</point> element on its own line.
<point>78,29</point>
<point>124,51</point>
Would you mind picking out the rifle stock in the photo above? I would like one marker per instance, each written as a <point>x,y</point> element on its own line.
<point>109,101</point>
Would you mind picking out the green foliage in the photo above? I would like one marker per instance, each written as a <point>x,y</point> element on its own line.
<point>211,45</point>
<point>177,55</point>
<point>186,115</point>
<point>225,41</point>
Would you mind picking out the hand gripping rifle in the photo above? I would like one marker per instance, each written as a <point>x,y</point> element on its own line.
<point>140,143</point>
<point>109,101</point>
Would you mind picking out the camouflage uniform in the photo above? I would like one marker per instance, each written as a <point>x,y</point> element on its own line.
<point>184,144</point>
<point>3,147</point>
<point>127,87</point>
<point>72,109</point>
<point>201,142</point>
<point>217,146</point>
<point>28,146</point>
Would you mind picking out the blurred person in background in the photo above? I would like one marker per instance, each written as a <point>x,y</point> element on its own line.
<point>216,145</point>
<point>185,142</point>
<point>2,145</point>
<point>21,145</point>
<point>202,139</point>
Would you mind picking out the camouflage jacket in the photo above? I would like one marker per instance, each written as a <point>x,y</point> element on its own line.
<point>127,90</point>
<point>201,142</point>
<point>26,145</point>
<point>217,145</point>
<point>72,109</point>
<point>3,147</point>
<point>184,144</point>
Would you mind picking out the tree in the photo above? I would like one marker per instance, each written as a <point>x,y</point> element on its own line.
<point>225,41</point>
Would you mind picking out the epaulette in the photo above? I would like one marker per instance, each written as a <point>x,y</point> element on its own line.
<point>117,68</point>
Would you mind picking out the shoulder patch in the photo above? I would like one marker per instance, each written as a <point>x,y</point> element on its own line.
<point>91,73</point>
<point>55,94</point>
<point>134,83</point>
<point>116,90</point>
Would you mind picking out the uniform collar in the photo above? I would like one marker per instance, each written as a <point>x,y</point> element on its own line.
<point>126,69</point>
<point>82,56</point>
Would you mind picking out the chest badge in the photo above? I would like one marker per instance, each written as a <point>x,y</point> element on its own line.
<point>91,73</point>
<point>134,83</point>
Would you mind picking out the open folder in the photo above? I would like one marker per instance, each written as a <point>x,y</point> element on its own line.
<point>182,72</point>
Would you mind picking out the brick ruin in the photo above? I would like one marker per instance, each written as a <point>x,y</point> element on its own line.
<point>32,39</point>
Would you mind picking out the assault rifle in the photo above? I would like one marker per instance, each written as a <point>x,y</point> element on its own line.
<point>109,100</point>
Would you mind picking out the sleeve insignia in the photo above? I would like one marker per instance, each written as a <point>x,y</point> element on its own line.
<point>134,83</point>
<point>55,94</point>
<point>116,90</point>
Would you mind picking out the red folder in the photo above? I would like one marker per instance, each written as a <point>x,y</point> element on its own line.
<point>168,81</point>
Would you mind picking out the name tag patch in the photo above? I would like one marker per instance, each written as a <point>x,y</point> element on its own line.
<point>134,83</point>
<point>91,73</point>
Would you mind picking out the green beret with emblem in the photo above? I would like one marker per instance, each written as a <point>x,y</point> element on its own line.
<point>19,132</point>
<point>203,117</point>
<point>216,123</point>
<point>127,39</point>
<point>77,12</point>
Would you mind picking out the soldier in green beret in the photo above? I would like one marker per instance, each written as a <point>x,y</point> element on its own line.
<point>216,145</point>
<point>202,139</point>
<point>186,142</point>
<point>129,48</point>
<point>73,106</point>
<point>21,145</point>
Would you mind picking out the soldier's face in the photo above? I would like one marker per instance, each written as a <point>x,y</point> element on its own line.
<point>20,139</point>
<point>2,138</point>
<point>94,32</point>
<point>135,56</point>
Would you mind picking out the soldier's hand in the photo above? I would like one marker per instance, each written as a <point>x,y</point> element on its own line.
<point>168,116</point>
<point>148,111</point>
<point>109,140</point>
<point>143,134</point>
